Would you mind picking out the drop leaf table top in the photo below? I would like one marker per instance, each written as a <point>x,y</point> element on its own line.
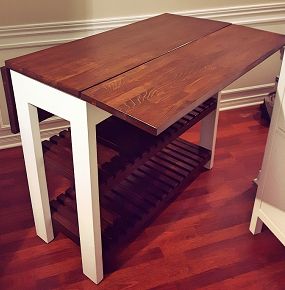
<point>153,72</point>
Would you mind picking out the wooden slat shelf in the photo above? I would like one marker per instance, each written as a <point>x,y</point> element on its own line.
<point>134,202</point>
<point>139,174</point>
<point>121,146</point>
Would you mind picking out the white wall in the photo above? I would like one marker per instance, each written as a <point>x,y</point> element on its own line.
<point>15,12</point>
<point>30,25</point>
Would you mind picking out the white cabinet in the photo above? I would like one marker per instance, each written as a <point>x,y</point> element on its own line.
<point>269,206</point>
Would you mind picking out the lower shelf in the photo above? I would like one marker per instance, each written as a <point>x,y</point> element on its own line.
<point>133,203</point>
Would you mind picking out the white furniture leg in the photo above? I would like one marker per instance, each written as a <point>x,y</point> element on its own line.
<point>256,223</point>
<point>208,132</point>
<point>83,117</point>
<point>33,155</point>
<point>84,148</point>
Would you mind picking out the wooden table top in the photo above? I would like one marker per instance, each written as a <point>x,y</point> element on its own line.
<point>81,64</point>
<point>152,72</point>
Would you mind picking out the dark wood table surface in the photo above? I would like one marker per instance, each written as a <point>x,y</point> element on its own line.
<point>152,72</point>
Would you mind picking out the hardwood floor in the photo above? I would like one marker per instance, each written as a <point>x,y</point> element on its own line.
<point>200,241</point>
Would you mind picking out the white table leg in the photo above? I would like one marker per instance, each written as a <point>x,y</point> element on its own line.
<point>84,148</point>
<point>83,118</point>
<point>208,132</point>
<point>33,155</point>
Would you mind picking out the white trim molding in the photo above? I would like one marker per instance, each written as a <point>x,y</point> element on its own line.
<point>245,97</point>
<point>48,127</point>
<point>46,34</point>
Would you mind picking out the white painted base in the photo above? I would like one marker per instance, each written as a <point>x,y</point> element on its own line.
<point>245,97</point>
<point>48,128</point>
<point>208,132</point>
<point>83,117</point>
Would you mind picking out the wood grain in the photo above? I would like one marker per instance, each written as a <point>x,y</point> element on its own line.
<point>156,94</point>
<point>80,64</point>
<point>200,241</point>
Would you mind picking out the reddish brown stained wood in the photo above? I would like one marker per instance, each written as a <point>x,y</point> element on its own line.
<point>80,64</point>
<point>10,100</point>
<point>156,94</point>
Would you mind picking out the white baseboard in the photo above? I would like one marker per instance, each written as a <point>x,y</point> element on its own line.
<point>49,128</point>
<point>230,99</point>
<point>244,97</point>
